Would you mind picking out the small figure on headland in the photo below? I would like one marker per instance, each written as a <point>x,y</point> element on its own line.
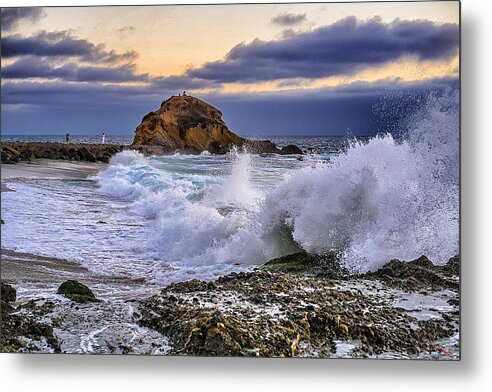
<point>67,137</point>
<point>184,93</point>
<point>103,140</point>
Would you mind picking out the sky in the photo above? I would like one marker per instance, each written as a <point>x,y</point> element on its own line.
<point>272,69</point>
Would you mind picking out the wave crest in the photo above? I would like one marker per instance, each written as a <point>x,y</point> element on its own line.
<point>383,199</point>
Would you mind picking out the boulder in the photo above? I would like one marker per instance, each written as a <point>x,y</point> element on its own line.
<point>8,293</point>
<point>260,147</point>
<point>291,149</point>
<point>11,150</point>
<point>86,154</point>
<point>76,292</point>
<point>326,265</point>
<point>7,157</point>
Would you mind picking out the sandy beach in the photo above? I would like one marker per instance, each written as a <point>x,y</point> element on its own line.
<point>48,168</point>
<point>39,277</point>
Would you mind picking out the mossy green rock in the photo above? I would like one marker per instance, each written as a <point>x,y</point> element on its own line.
<point>326,265</point>
<point>77,292</point>
<point>297,262</point>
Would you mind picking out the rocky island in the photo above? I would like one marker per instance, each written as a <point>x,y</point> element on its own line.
<point>183,124</point>
<point>188,124</point>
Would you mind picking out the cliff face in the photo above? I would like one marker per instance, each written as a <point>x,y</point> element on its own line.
<point>186,124</point>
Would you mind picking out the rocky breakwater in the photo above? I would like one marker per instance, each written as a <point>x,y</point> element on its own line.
<point>189,125</point>
<point>13,152</point>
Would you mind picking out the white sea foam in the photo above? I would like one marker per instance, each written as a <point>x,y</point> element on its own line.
<point>196,222</point>
<point>169,217</point>
<point>379,200</point>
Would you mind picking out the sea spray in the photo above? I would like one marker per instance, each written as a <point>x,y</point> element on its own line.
<point>236,188</point>
<point>198,221</point>
<point>220,227</point>
<point>377,201</point>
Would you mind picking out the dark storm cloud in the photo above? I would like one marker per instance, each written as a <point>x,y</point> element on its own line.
<point>54,106</point>
<point>35,67</point>
<point>32,67</point>
<point>124,73</point>
<point>178,83</point>
<point>59,95</point>
<point>27,67</point>
<point>360,108</point>
<point>342,48</point>
<point>288,19</point>
<point>87,87</point>
<point>10,17</point>
<point>60,44</point>
<point>53,55</point>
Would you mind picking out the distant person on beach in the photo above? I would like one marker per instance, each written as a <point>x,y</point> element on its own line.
<point>103,140</point>
<point>67,137</point>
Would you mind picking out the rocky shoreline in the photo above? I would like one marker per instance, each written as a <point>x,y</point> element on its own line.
<point>403,310</point>
<point>13,152</point>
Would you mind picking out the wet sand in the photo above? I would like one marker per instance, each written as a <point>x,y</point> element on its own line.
<point>48,168</point>
<point>39,277</point>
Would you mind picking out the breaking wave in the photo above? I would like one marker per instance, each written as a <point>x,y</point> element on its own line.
<point>382,199</point>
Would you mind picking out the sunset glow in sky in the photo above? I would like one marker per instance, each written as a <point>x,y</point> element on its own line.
<point>270,68</point>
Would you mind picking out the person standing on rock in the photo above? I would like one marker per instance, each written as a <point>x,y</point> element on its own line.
<point>67,137</point>
<point>103,140</point>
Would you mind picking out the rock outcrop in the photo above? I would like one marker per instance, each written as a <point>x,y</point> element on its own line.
<point>326,265</point>
<point>289,308</point>
<point>270,313</point>
<point>291,149</point>
<point>21,330</point>
<point>419,274</point>
<point>190,125</point>
<point>186,124</point>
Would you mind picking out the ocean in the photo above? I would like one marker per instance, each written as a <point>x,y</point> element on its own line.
<point>164,219</point>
